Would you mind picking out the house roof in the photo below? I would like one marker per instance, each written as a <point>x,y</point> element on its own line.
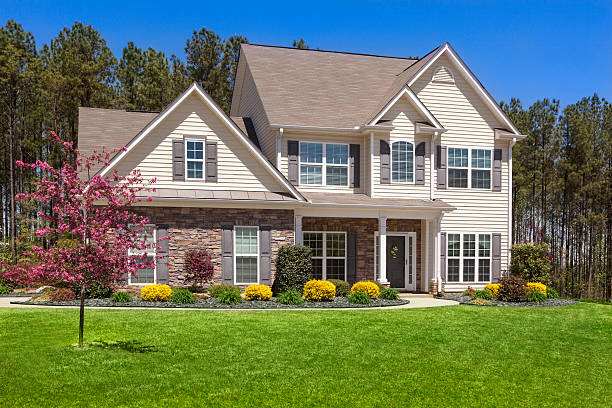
<point>319,88</point>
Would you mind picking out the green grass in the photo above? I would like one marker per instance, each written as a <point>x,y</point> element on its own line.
<point>453,356</point>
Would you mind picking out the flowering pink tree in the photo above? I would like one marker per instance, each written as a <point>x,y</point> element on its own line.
<point>96,212</point>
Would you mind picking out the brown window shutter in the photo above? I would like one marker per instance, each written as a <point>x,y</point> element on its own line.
<point>178,159</point>
<point>293,152</point>
<point>496,261</point>
<point>354,164</point>
<point>441,166</point>
<point>211,162</point>
<point>227,249</point>
<point>497,169</point>
<point>265,277</point>
<point>443,256</point>
<point>161,267</point>
<point>385,163</point>
<point>351,257</point>
<point>419,164</point>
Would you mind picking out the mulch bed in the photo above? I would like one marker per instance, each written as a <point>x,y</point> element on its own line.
<point>465,300</point>
<point>211,303</point>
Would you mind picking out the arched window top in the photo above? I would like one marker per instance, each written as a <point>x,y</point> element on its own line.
<point>402,162</point>
<point>443,74</point>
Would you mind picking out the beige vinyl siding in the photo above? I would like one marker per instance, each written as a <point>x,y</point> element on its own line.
<point>335,138</point>
<point>238,169</point>
<point>403,116</point>
<point>442,74</point>
<point>469,123</point>
<point>249,105</point>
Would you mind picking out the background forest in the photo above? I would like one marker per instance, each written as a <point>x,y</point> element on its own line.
<point>562,171</point>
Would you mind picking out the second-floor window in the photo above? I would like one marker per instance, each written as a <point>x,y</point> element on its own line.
<point>324,164</point>
<point>194,159</point>
<point>402,162</point>
<point>463,173</point>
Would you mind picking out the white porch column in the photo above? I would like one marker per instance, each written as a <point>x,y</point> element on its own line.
<point>382,232</point>
<point>438,275</point>
<point>298,230</point>
<point>427,255</point>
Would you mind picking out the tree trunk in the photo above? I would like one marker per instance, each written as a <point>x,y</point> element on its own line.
<point>12,193</point>
<point>81,316</point>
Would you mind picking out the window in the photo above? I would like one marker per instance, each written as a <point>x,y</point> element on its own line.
<point>457,167</point>
<point>481,168</point>
<point>467,262</point>
<point>402,162</point>
<point>246,255</point>
<point>324,164</point>
<point>463,173</point>
<point>328,254</point>
<point>144,276</point>
<point>195,159</point>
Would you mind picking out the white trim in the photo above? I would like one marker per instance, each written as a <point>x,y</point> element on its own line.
<point>371,164</point>
<point>324,164</point>
<point>246,255</point>
<point>426,257</point>
<point>469,169</point>
<point>224,118</point>
<point>510,145</point>
<point>192,138</point>
<point>328,129</point>
<point>325,257</point>
<point>473,81</point>
<point>415,100</point>
<point>476,256</point>
<point>413,164</point>
<point>154,229</point>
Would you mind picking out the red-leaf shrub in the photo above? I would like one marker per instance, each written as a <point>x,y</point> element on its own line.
<point>199,268</point>
<point>512,289</point>
<point>62,295</point>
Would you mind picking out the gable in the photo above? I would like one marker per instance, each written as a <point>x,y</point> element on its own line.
<point>240,166</point>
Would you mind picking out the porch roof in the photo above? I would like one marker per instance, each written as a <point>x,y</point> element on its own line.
<point>365,201</point>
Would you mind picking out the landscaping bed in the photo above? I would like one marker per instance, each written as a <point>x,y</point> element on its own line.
<point>467,300</point>
<point>212,303</point>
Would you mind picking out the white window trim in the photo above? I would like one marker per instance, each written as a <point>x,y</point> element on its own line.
<point>469,169</point>
<point>476,258</point>
<point>154,260</point>
<point>324,164</point>
<point>324,258</point>
<point>203,160</point>
<point>413,163</point>
<point>236,255</point>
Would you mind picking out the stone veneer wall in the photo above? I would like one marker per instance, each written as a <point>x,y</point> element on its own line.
<point>365,229</point>
<point>200,228</point>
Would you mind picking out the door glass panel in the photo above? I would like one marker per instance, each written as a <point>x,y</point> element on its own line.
<point>410,261</point>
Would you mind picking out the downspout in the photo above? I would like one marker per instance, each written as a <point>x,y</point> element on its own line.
<point>279,145</point>
<point>371,164</point>
<point>510,145</point>
<point>432,165</point>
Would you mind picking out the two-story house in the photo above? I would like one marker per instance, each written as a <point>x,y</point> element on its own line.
<point>392,169</point>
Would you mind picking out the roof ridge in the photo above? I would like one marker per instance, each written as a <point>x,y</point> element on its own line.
<point>331,51</point>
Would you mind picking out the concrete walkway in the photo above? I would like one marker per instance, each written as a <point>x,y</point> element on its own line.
<point>416,301</point>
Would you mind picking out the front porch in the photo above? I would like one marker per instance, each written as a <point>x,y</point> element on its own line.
<point>349,248</point>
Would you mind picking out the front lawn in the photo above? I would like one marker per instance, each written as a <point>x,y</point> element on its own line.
<point>449,356</point>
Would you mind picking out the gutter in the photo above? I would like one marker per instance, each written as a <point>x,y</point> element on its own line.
<point>329,129</point>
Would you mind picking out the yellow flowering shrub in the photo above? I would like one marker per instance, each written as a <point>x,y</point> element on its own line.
<point>319,291</point>
<point>369,288</point>
<point>258,292</point>
<point>533,286</point>
<point>156,293</point>
<point>493,288</point>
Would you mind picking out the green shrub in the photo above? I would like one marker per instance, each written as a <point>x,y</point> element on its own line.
<point>182,295</point>
<point>196,289</point>
<point>512,289</point>
<point>551,293</point>
<point>388,294</point>
<point>359,298</point>
<point>94,291</point>
<point>536,296</point>
<point>342,287</point>
<point>293,268</point>
<point>482,294</point>
<point>5,290</point>
<point>230,297</point>
<point>121,297</point>
<point>218,290</point>
<point>291,297</point>
<point>531,262</point>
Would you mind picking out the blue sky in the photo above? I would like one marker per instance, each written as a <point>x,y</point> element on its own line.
<point>524,49</point>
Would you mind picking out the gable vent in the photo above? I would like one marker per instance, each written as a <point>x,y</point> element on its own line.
<point>443,75</point>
